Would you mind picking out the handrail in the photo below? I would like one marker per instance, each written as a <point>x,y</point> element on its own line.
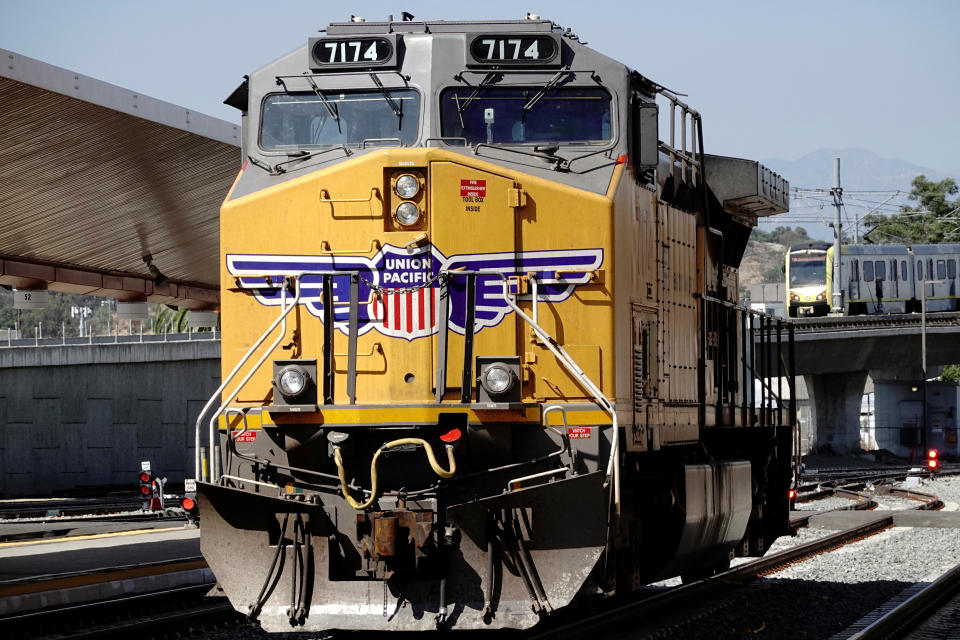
<point>613,468</point>
<point>374,193</point>
<point>324,198</point>
<point>325,248</point>
<point>223,385</point>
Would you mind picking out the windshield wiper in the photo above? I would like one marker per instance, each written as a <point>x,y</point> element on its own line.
<point>301,155</point>
<point>397,111</point>
<point>331,108</point>
<point>297,155</point>
<point>461,107</point>
<point>551,84</point>
<point>272,170</point>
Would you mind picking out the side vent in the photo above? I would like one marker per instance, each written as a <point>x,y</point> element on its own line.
<point>644,358</point>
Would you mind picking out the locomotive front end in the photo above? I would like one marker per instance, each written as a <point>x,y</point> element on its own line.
<point>481,351</point>
<point>413,429</point>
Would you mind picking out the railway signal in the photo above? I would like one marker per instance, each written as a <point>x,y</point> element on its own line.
<point>146,486</point>
<point>189,501</point>
<point>932,459</point>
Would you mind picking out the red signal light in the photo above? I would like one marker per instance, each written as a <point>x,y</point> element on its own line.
<point>933,463</point>
<point>792,494</point>
<point>932,454</point>
<point>146,484</point>
<point>188,504</point>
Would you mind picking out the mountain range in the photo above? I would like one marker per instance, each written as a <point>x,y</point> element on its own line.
<point>861,170</point>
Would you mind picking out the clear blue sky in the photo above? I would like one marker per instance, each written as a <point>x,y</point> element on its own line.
<point>772,79</point>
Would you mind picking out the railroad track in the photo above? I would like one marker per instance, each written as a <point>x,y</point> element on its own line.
<point>139,616</point>
<point>690,597</point>
<point>840,323</point>
<point>57,509</point>
<point>905,617</point>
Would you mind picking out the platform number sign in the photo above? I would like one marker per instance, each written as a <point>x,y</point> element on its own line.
<point>353,52</point>
<point>513,49</point>
<point>30,298</point>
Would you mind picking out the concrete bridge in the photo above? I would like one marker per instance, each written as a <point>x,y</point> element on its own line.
<point>87,414</point>
<point>835,356</point>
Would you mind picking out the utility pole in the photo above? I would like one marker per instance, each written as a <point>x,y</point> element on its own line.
<point>923,354</point>
<point>837,193</point>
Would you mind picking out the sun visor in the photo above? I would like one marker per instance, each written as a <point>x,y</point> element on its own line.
<point>746,187</point>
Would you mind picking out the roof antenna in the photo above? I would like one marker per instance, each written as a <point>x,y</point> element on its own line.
<point>406,16</point>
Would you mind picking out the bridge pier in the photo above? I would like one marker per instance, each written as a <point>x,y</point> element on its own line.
<point>835,399</point>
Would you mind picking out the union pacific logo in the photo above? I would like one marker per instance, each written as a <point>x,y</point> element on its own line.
<point>400,289</point>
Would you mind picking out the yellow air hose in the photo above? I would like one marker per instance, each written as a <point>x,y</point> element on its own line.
<point>440,471</point>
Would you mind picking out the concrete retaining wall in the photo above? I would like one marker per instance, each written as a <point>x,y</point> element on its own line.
<point>80,415</point>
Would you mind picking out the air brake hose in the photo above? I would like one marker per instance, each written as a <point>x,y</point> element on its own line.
<point>440,471</point>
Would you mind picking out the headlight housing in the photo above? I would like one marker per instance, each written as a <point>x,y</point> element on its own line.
<point>497,379</point>
<point>292,381</point>
<point>407,186</point>
<point>408,214</point>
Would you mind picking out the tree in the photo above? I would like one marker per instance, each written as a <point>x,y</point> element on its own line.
<point>934,219</point>
<point>782,235</point>
<point>170,320</point>
<point>951,373</point>
<point>55,317</point>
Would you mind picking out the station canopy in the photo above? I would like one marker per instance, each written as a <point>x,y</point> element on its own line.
<point>105,191</point>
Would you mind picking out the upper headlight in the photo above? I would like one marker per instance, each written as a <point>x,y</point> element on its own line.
<point>292,381</point>
<point>407,186</point>
<point>497,379</point>
<point>408,214</point>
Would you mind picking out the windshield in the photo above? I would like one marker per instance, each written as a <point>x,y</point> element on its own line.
<point>496,115</point>
<point>808,270</point>
<point>299,120</point>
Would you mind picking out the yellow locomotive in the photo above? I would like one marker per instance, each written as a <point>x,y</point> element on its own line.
<point>481,357</point>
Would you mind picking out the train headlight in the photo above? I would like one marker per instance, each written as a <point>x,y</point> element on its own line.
<point>292,381</point>
<point>407,213</point>
<point>497,379</point>
<point>407,186</point>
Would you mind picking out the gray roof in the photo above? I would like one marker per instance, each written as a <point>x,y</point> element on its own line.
<point>93,177</point>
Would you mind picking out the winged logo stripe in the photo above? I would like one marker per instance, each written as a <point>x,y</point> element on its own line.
<point>398,291</point>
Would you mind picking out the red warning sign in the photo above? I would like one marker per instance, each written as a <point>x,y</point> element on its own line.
<point>578,433</point>
<point>241,436</point>
<point>473,188</point>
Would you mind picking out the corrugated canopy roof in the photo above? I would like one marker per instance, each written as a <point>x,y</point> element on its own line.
<point>94,177</point>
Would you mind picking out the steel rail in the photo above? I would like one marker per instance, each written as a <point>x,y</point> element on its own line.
<point>914,610</point>
<point>616,618</point>
<point>103,619</point>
